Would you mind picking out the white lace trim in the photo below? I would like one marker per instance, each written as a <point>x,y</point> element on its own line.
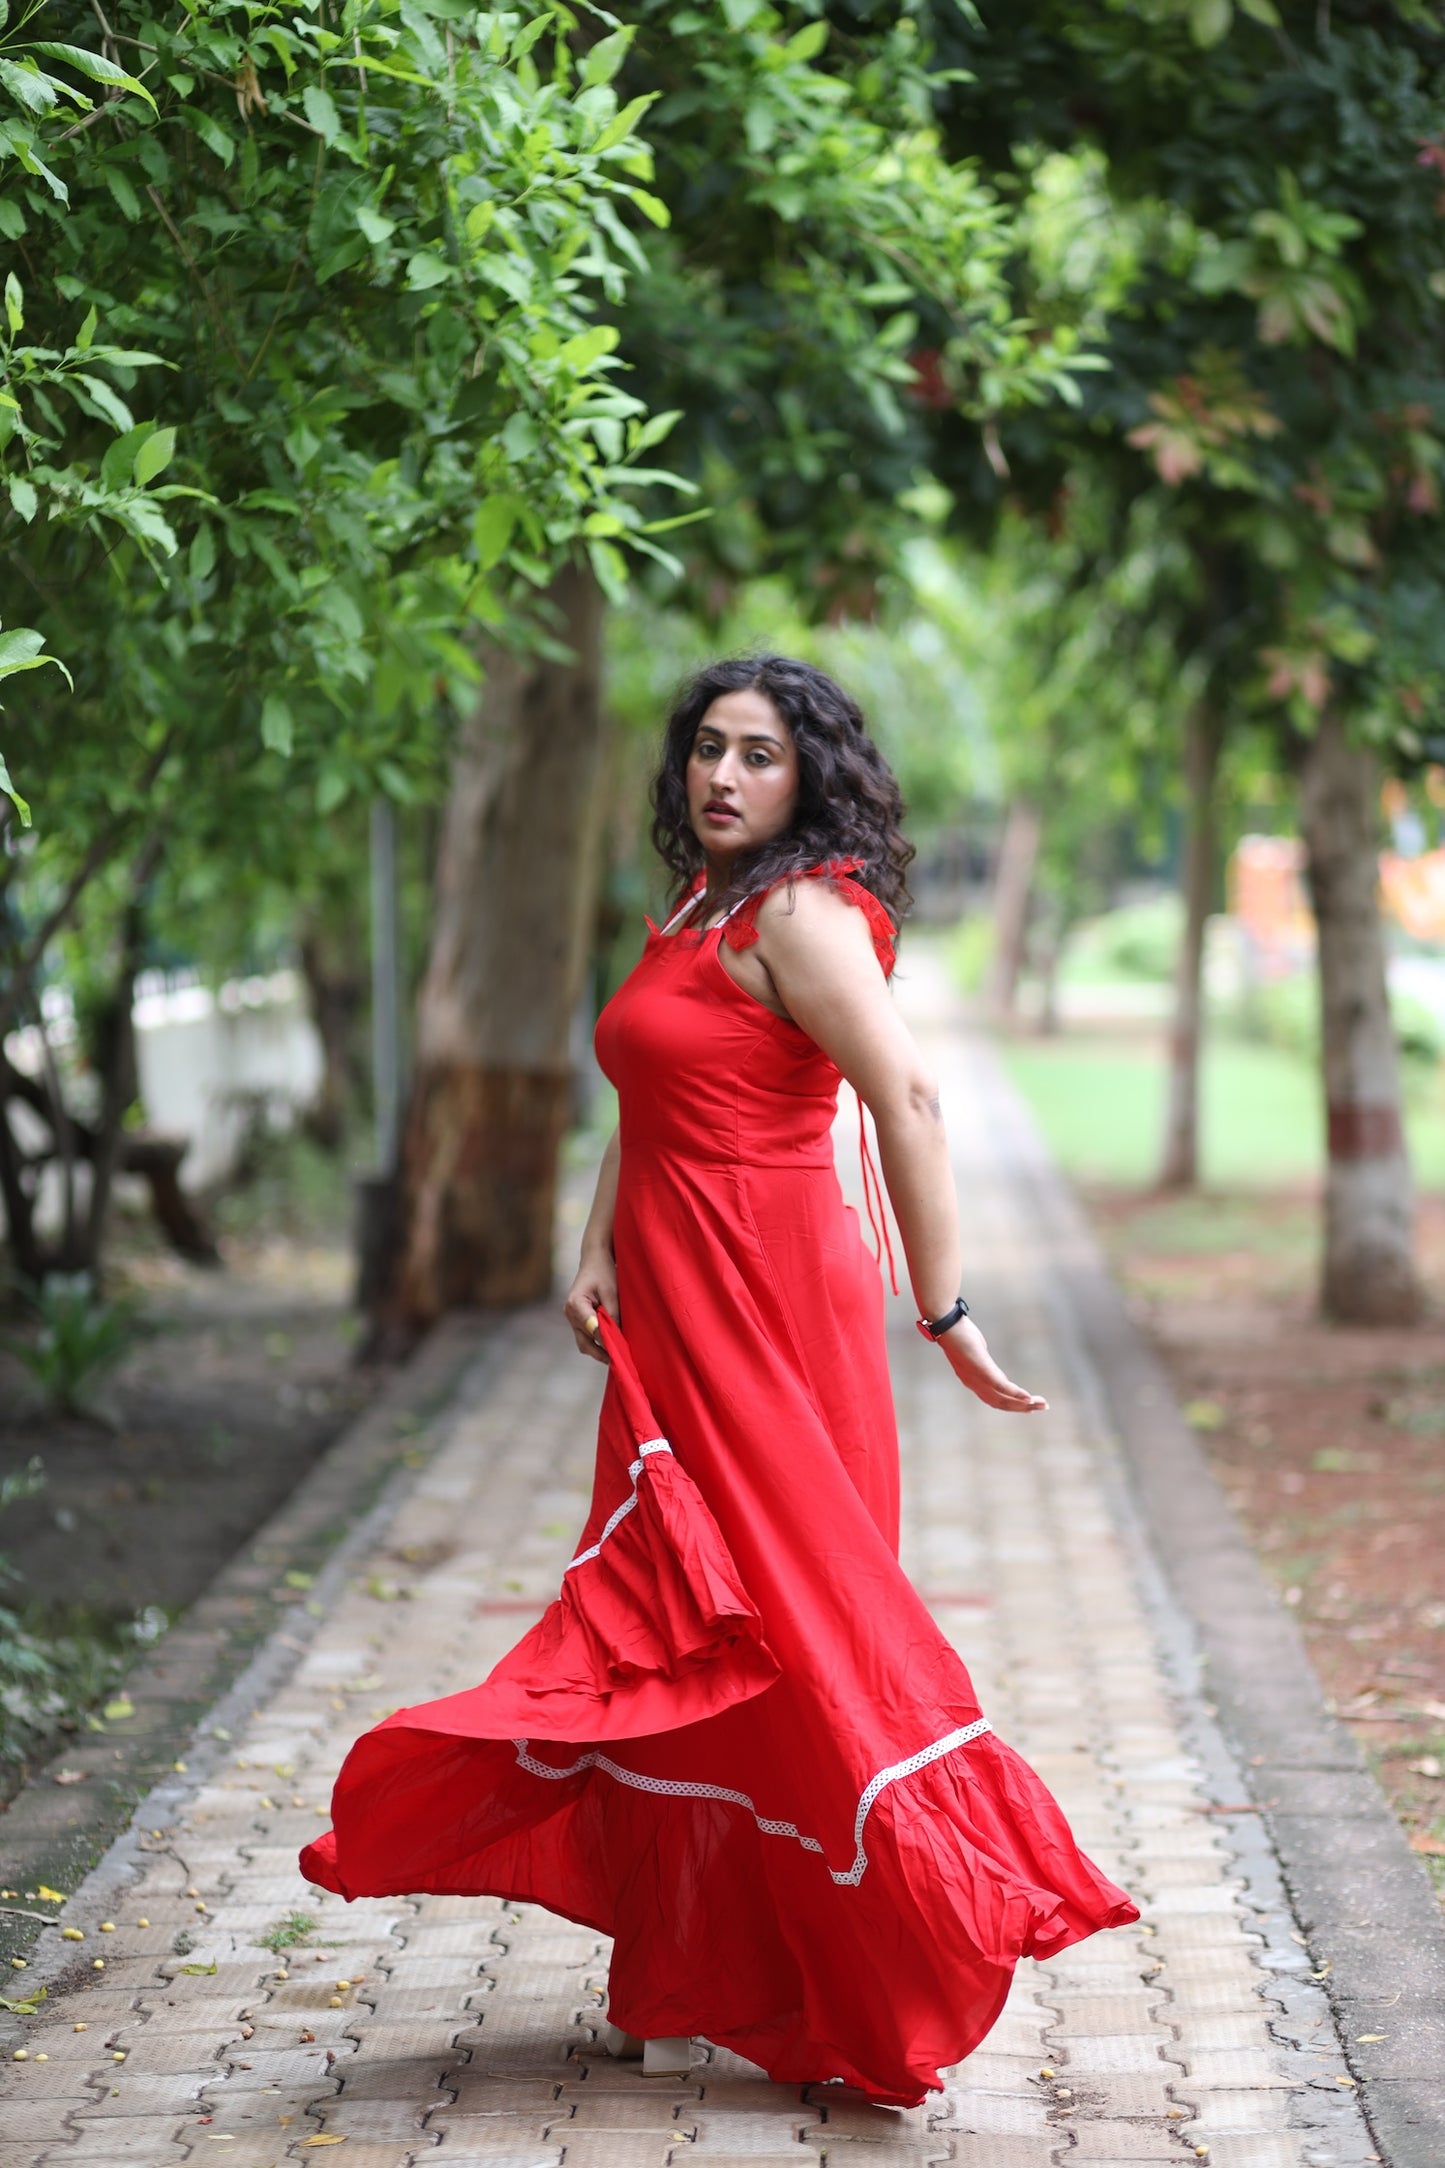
<point>653,1445</point>
<point>676,1788</point>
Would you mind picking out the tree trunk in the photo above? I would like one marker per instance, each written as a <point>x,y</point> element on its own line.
<point>516,875</point>
<point>336,989</point>
<point>1012,892</point>
<point>1369,1270</point>
<point>1203,737</point>
<point>114,1055</point>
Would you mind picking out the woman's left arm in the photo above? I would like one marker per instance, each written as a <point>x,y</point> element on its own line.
<point>818,951</point>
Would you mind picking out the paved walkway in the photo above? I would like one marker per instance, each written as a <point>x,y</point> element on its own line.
<point>460,2031</point>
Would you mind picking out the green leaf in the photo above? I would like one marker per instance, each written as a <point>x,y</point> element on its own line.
<point>651,206</point>
<point>14,303</point>
<point>653,430</point>
<point>277,729</point>
<point>37,92</point>
<point>1262,11</point>
<point>333,787</point>
<point>96,66</point>
<point>154,455</point>
<point>492,528</point>
<point>18,649</point>
<point>214,136</point>
<point>807,43</point>
<point>1209,20</point>
<point>21,650</point>
<point>24,811</point>
<point>321,112</point>
<point>580,352</point>
<point>101,395</point>
<point>118,465</point>
<point>376,228</point>
<point>202,559</point>
<point>24,498</point>
<point>424,271</point>
<point>607,56</point>
<point>610,566</point>
<point>622,124</point>
<point>84,338</point>
<point>12,219</point>
<point>118,181</point>
<point>24,2005</point>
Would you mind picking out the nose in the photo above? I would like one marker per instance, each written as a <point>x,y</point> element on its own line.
<point>724,775</point>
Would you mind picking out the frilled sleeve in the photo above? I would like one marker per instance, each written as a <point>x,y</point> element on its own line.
<point>741,930</point>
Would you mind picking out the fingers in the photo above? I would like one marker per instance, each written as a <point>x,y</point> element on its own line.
<point>977,1369</point>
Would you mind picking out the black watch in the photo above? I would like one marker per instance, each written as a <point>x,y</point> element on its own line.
<point>934,1328</point>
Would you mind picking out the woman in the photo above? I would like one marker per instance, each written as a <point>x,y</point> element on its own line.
<point>738,1743</point>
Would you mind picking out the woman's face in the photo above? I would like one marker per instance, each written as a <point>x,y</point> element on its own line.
<point>742,775</point>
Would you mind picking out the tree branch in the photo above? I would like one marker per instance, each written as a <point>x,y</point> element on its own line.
<point>102,849</point>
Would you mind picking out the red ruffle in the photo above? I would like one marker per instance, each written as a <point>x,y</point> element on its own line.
<point>741,930</point>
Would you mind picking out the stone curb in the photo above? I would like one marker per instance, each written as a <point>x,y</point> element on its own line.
<point>1373,1923</point>
<point>229,1652</point>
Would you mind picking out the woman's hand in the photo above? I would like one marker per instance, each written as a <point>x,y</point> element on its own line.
<point>967,1351</point>
<point>594,1288</point>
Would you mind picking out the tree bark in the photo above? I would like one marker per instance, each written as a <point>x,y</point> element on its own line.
<point>1203,737</point>
<point>336,989</point>
<point>1369,1273</point>
<point>515,891</point>
<point>1012,893</point>
<point>114,1054</point>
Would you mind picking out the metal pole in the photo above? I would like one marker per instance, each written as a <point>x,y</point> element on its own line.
<point>385,984</point>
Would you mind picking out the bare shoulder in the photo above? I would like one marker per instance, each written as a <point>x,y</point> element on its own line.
<point>806,921</point>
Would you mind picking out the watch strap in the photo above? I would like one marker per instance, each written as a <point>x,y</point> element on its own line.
<point>933,1328</point>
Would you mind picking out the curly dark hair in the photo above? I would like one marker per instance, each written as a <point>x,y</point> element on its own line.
<point>849,804</point>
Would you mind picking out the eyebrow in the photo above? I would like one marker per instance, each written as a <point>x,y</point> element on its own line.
<point>750,737</point>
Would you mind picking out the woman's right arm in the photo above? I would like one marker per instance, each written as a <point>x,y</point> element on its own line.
<point>596,1281</point>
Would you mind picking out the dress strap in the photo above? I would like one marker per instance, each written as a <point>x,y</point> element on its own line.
<point>873,1189</point>
<point>742,920</point>
<point>686,904</point>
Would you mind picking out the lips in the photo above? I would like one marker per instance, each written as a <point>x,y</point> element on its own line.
<point>715,810</point>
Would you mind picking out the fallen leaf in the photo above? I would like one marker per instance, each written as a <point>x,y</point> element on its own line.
<point>200,1971</point>
<point>50,1896</point>
<point>1205,1415</point>
<point>115,1712</point>
<point>326,2137</point>
<point>1429,1765</point>
<point>1433,1846</point>
<point>70,1776</point>
<point>1362,2039</point>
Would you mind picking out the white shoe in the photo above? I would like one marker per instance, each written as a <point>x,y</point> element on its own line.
<point>624,2046</point>
<point>666,2058</point>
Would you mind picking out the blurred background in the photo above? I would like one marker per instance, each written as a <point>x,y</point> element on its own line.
<point>397,401</point>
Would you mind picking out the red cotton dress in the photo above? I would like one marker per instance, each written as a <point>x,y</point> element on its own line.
<point>738,1742</point>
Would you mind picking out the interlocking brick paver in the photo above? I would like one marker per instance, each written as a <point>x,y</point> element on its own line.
<point>467,2032</point>
<point>153,2140</point>
<point>1111,2143</point>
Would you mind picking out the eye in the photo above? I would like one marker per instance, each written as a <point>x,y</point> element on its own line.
<point>705,749</point>
<point>760,757</point>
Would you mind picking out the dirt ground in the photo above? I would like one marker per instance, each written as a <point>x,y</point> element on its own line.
<point>234,1382</point>
<point>1330,1444</point>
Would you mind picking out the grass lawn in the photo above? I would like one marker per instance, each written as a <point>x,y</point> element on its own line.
<point>1099,1099</point>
